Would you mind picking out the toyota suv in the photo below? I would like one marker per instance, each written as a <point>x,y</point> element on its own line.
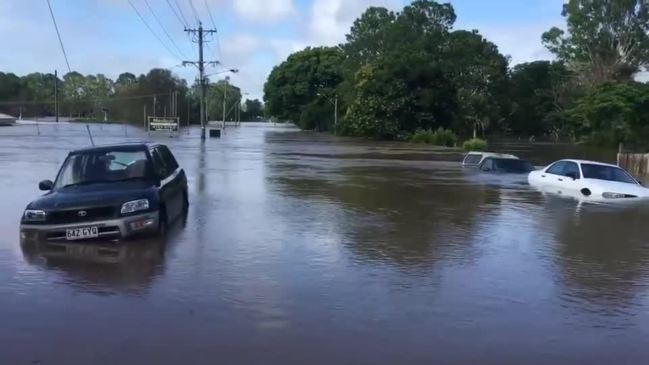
<point>108,193</point>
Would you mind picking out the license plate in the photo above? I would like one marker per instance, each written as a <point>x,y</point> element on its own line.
<point>81,233</point>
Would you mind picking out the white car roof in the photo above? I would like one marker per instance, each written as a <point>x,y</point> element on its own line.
<point>589,162</point>
<point>492,154</point>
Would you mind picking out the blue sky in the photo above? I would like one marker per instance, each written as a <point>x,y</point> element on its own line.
<point>106,36</point>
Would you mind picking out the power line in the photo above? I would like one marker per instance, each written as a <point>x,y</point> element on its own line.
<point>151,30</point>
<point>65,55</point>
<point>191,3</point>
<point>110,99</point>
<point>181,12</point>
<point>209,12</point>
<point>218,47</point>
<point>218,44</point>
<point>184,24</point>
<point>163,28</point>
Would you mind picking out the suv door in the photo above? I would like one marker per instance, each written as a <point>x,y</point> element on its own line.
<point>167,190</point>
<point>177,182</point>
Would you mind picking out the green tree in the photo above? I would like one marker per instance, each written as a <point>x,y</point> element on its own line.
<point>215,93</point>
<point>297,85</point>
<point>252,109</point>
<point>535,92</point>
<point>612,113</point>
<point>606,40</point>
<point>124,81</point>
<point>479,72</point>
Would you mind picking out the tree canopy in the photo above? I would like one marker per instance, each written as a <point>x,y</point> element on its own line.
<point>87,96</point>
<point>606,40</point>
<point>298,88</point>
<point>400,72</point>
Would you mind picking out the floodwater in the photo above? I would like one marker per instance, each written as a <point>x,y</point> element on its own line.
<point>302,248</point>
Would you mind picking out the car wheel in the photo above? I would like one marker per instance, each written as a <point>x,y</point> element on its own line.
<point>185,203</point>
<point>162,224</point>
<point>185,210</point>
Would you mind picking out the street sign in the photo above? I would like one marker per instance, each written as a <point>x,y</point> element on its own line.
<point>163,124</point>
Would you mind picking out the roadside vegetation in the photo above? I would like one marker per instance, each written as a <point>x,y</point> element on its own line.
<point>408,74</point>
<point>475,144</point>
<point>125,98</point>
<point>439,137</point>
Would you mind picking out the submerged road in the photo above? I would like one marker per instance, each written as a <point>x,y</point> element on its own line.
<point>302,248</point>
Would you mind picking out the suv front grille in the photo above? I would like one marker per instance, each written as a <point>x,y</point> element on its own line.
<point>73,216</point>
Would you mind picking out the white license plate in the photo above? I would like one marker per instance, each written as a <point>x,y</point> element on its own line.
<point>81,233</point>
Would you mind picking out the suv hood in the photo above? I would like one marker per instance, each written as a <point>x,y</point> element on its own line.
<point>95,195</point>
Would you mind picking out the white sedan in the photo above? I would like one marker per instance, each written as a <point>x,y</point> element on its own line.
<point>588,180</point>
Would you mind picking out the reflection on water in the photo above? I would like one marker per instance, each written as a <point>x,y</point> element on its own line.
<point>308,248</point>
<point>101,267</point>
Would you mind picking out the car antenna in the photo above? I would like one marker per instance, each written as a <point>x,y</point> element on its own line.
<point>90,135</point>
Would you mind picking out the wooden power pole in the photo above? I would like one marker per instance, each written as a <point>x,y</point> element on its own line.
<point>200,39</point>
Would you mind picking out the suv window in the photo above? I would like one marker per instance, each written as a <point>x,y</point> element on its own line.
<point>487,164</point>
<point>472,158</point>
<point>102,167</point>
<point>556,168</point>
<point>168,158</point>
<point>159,165</point>
<point>571,168</point>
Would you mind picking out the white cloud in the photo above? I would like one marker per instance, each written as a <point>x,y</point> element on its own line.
<point>264,10</point>
<point>331,19</point>
<point>521,42</point>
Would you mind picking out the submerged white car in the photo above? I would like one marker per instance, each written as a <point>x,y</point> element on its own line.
<point>475,158</point>
<point>588,180</point>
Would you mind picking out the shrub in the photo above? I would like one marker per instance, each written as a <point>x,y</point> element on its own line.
<point>475,144</point>
<point>440,137</point>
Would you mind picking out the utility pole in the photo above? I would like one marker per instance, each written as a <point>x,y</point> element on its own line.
<point>200,32</point>
<point>56,96</point>
<point>225,94</point>
<point>335,112</point>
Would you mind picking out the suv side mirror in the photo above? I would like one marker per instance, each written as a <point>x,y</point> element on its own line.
<point>572,175</point>
<point>46,185</point>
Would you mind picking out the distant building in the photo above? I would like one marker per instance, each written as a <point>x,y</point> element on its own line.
<point>6,119</point>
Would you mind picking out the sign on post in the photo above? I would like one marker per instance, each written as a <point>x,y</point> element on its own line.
<point>163,124</point>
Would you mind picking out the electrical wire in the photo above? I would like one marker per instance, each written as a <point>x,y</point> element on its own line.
<point>32,102</point>
<point>218,55</point>
<point>209,12</point>
<point>56,27</point>
<point>180,20</point>
<point>151,30</point>
<point>182,15</point>
<point>198,19</point>
<point>163,28</point>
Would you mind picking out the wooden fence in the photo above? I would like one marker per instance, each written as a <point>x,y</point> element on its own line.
<point>635,163</point>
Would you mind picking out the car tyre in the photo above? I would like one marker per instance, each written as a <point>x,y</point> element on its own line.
<point>162,224</point>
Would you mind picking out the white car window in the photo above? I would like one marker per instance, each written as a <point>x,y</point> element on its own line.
<point>556,168</point>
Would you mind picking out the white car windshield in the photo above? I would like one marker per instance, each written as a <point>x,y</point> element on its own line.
<point>608,173</point>
<point>102,166</point>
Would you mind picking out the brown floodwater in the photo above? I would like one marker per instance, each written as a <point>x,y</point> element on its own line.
<point>303,248</point>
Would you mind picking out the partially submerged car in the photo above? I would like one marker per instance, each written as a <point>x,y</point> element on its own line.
<point>501,165</point>
<point>108,192</point>
<point>475,158</point>
<point>588,180</point>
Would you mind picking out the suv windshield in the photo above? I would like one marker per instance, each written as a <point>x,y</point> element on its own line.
<point>102,166</point>
<point>609,173</point>
<point>513,166</point>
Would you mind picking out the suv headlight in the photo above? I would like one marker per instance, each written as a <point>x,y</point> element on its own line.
<point>609,195</point>
<point>34,215</point>
<point>134,206</point>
